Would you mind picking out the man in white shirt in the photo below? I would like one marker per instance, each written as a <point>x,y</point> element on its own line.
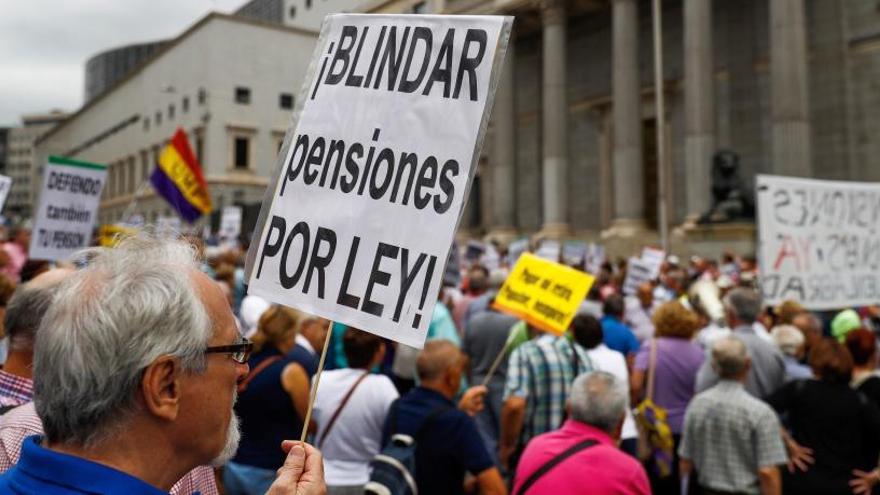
<point>350,410</point>
<point>588,333</point>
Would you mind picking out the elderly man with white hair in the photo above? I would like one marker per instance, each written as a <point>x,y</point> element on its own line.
<point>135,369</point>
<point>791,342</point>
<point>732,439</point>
<point>767,369</point>
<point>582,456</point>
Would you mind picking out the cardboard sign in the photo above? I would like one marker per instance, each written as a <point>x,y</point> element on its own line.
<point>374,174</point>
<point>491,259</point>
<point>574,253</point>
<point>819,242</point>
<point>515,249</point>
<point>595,258</point>
<point>230,223</point>
<point>549,249</point>
<point>653,259</point>
<point>638,271</point>
<point>5,185</point>
<point>452,274</point>
<point>474,251</point>
<point>543,293</point>
<point>68,209</point>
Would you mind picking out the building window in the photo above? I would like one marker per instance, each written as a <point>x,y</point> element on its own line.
<point>203,96</point>
<point>158,118</point>
<point>170,112</point>
<point>185,104</point>
<point>155,161</point>
<point>132,174</point>
<point>146,123</point>
<point>285,101</point>
<point>200,146</point>
<point>419,8</point>
<point>241,151</point>
<point>242,95</point>
<point>308,4</point>
<point>293,12</point>
<point>145,164</point>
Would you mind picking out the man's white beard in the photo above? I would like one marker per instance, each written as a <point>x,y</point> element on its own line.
<point>233,435</point>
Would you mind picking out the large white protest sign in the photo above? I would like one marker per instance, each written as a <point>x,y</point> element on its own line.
<point>230,222</point>
<point>5,185</point>
<point>374,173</point>
<point>819,241</point>
<point>68,208</point>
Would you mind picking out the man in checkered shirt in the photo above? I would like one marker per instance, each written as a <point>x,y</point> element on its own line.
<point>539,377</point>
<point>732,439</point>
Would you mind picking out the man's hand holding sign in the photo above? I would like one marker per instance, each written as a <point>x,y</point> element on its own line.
<point>375,171</point>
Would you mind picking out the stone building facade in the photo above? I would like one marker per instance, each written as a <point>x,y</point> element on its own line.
<point>791,86</point>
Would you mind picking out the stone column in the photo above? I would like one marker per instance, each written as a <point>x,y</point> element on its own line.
<point>699,104</point>
<point>504,149</point>
<point>629,198</point>
<point>788,71</point>
<point>555,131</point>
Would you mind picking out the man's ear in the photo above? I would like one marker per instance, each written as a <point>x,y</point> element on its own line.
<point>160,388</point>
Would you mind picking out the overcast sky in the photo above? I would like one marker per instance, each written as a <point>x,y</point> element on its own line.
<point>44,44</point>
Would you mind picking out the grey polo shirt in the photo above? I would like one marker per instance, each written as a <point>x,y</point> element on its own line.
<point>729,435</point>
<point>767,373</point>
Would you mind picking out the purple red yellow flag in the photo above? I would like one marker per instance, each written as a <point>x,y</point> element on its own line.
<point>178,178</point>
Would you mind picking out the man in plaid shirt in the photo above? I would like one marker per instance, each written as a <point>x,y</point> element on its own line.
<point>24,311</point>
<point>539,377</point>
<point>733,440</point>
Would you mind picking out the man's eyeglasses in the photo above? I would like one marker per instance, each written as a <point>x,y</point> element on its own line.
<point>240,351</point>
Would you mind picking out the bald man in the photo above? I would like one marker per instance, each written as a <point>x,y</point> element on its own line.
<point>447,440</point>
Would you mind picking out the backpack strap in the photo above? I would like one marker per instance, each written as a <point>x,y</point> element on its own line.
<point>552,463</point>
<point>394,410</point>
<point>269,361</point>
<point>652,365</point>
<point>340,407</point>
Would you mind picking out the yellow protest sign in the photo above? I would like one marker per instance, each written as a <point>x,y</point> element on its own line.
<point>110,234</point>
<point>543,293</point>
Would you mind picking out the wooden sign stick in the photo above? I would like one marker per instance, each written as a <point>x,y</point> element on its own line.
<point>314,392</point>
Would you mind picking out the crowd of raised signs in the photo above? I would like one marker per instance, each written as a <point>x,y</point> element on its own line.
<point>683,383</point>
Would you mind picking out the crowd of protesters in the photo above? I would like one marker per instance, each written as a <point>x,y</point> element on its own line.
<point>147,368</point>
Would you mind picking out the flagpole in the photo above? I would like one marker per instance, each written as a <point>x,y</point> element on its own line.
<point>129,210</point>
<point>660,108</point>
